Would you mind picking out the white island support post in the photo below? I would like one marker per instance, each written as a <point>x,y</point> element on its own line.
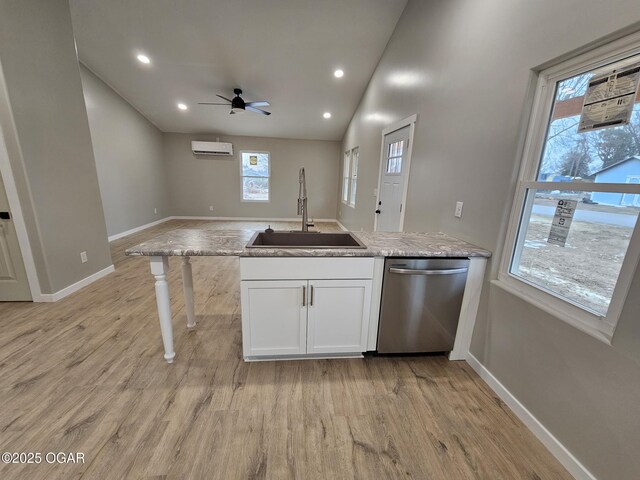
<point>159,269</point>
<point>187,286</point>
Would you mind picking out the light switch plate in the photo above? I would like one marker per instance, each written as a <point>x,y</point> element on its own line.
<point>83,257</point>
<point>458,212</point>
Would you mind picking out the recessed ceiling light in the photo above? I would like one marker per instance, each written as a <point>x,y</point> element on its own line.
<point>182,106</point>
<point>143,59</point>
<point>338,73</point>
<point>326,115</point>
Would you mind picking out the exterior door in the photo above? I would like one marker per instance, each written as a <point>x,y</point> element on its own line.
<point>13,277</point>
<point>338,316</point>
<point>274,317</point>
<point>392,180</point>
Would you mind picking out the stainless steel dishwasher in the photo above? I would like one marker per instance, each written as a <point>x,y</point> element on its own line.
<point>421,301</point>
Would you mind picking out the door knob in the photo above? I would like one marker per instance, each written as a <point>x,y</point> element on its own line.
<point>378,211</point>
<point>5,216</point>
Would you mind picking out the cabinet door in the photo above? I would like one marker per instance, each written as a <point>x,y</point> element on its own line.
<point>274,317</point>
<point>338,318</point>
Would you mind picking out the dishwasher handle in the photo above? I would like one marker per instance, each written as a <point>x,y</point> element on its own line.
<point>443,271</point>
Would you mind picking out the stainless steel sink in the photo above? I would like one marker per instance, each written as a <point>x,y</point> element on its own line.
<point>304,240</point>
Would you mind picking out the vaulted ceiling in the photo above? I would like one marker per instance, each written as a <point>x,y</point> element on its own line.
<point>283,51</point>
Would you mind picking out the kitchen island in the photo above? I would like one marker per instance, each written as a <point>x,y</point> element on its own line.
<point>188,243</point>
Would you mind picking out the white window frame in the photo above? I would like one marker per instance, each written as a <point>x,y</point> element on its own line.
<point>345,194</point>
<point>353,174</point>
<point>581,318</point>
<point>242,199</point>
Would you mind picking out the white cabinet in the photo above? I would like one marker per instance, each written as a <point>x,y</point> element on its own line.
<point>311,306</point>
<point>338,316</point>
<point>274,317</point>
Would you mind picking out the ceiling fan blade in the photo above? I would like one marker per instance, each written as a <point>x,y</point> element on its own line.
<point>224,98</point>
<point>257,104</point>
<point>209,103</point>
<point>257,110</point>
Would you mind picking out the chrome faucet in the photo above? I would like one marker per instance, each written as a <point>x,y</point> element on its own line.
<point>302,201</point>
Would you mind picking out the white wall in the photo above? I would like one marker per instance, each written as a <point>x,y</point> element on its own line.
<point>465,68</point>
<point>197,183</point>
<point>129,158</point>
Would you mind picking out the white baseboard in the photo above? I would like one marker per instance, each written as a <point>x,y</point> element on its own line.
<point>189,217</point>
<point>59,295</point>
<point>557,449</point>
<point>137,229</point>
<point>248,219</point>
<point>341,226</point>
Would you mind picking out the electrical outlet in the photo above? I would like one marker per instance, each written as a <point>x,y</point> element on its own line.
<point>83,257</point>
<point>211,208</point>
<point>458,212</point>
<point>155,210</point>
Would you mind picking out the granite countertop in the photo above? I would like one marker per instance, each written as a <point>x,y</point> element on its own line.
<point>210,242</point>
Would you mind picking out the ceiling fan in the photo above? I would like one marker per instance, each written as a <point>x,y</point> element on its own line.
<point>238,105</point>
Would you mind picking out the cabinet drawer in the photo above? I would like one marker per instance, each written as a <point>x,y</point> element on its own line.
<point>298,268</point>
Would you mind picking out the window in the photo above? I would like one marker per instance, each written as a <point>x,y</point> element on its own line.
<point>346,169</point>
<point>572,244</point>
<point>394,158</point>
<point>350,176</point>
<point>255,168</point>
<point>355,154</point>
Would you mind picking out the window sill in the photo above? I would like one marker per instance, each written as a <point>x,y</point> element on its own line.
<point>563,314</point>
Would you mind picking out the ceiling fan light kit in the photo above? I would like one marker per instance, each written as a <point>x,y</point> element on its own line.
<point>238,105</point>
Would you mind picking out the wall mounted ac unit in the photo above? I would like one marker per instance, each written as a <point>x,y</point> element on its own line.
<point>212,148</point>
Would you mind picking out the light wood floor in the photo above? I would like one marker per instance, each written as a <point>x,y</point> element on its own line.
<point>86,374</point>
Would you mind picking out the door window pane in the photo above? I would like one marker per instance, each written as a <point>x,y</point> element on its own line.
<point>394,158</point>
<point>394,165</point>
<point>396,148</point>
